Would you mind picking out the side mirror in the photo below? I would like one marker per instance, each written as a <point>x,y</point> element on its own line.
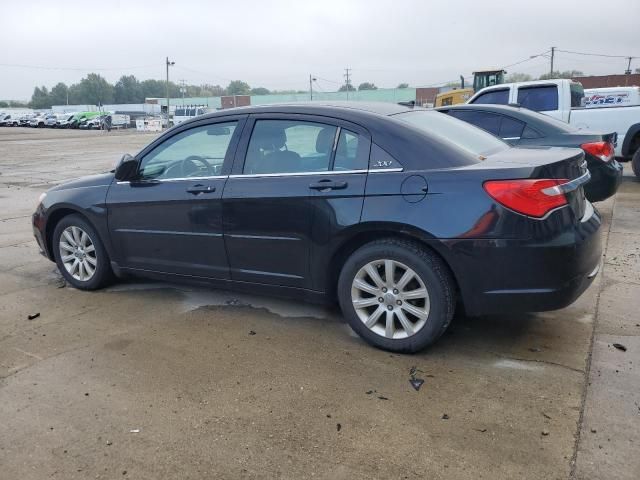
<point>126,169</point>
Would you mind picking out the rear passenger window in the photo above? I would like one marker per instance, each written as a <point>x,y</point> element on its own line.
<point>348,155</point>
<point>530,133</point>
<point>290,146</point>
<point>511,128</point>
<point>539,99</point>
<point>487,121</point>
<point>494,96</point>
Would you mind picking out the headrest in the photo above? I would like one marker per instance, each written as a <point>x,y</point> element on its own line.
<point>324,142</point>
<point>269,137</point>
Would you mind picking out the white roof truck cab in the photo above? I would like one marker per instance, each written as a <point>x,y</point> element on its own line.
<point>564,100</point>
<point>185,113</point>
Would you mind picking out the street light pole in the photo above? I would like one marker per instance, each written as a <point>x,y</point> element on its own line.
<point>553,51</point>
<point>169,64</point>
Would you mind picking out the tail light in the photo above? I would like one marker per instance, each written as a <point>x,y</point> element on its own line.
<point>602,150</point>
<point>534,198</point>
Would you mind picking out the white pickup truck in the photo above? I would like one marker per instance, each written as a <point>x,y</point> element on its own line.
<point>564,99</point>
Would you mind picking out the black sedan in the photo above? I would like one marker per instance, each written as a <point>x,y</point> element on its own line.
<point>400,213</point>
<point>525,128</point>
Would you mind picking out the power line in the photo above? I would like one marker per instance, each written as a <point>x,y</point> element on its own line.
<point>595,54</point>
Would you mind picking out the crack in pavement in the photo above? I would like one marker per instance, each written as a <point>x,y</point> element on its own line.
<point>587,371</point>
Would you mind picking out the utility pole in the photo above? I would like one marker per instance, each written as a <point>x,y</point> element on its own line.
<point>183,89</point>
<point>553,51</point>
<point>169,64</point>
<point>347,76</point>
<point>311,80</point>
<point>628,71</point>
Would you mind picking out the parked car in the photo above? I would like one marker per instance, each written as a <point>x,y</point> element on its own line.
<point>25,119</point>
<point>564,99</point>
<point>65,120</point>
<point>5,119</point>
<point>51,120</point>
<point>525,128</point>
<point>37,120</point>
<point>398,212</point>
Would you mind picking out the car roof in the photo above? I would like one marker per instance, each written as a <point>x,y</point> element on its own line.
<point>340,109</point>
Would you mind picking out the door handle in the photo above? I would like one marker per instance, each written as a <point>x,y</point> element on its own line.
<point>327,184</point>
<point>197,189</point>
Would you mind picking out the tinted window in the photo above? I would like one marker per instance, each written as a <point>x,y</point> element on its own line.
<point>539,99</point>
<point>456,132</point>
<point>289,146</point>
<point>577,94</point>
<point>530,133</point>
<point>511,128</point>
<point>487,121</point>
<point>494,96</point>
<point>179,112</point>
<point>347,153</point>
<point>198,152</point>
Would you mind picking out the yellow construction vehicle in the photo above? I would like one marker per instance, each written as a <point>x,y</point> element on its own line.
<point>481,79</point>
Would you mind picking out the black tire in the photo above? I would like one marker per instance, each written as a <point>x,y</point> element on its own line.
<point>103,275</point>
<point>432,271</point>
<point>635,163</point>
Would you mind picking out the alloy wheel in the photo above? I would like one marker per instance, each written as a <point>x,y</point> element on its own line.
<point>78,253</point>
<point>390,299</point>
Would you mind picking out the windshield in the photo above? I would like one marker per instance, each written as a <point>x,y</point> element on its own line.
<point>462,134</point>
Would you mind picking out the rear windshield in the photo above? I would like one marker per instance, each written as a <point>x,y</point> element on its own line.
<point>462,134</point>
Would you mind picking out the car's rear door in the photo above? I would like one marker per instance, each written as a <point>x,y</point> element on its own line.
<point>285,195</point>
<point>169,219</point>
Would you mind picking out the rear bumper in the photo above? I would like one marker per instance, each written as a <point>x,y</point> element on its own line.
<point>605,180</point>
<point>512,276</point>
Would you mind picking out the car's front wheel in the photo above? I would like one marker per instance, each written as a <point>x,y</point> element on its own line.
<point>80,254</point>
<point>396,295</point>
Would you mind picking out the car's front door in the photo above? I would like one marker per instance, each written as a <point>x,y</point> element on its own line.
<point>169,218</point>
<point>282,170</point>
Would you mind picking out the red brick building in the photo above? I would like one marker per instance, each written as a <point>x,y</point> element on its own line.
<point>601,81</point>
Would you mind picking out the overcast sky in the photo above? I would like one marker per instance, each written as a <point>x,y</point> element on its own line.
<point>277,44</point>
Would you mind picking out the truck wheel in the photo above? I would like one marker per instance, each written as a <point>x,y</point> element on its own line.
<point>635,163</point>
<point>396,295</point>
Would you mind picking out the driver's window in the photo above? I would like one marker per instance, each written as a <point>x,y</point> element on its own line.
<point>197,152</point>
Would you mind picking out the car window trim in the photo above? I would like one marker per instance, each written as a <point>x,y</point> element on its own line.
<point>297,174</point>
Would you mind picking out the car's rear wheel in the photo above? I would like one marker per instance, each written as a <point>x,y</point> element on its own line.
<point>80,254</point>
<point>396,295</point>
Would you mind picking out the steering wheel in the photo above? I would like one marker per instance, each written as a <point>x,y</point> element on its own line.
<point>192,166</point>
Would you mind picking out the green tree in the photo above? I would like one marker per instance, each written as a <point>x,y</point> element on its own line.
<point>95,90</point>
<point>403,85</point>
<point>3,104</point>
<point>518,77</point>
<point>260,91</point>
<point>347,87</point>
<point>128,90</point>
<point>238,87</point>
<point>565,74</point>
<point>59,94</point>
<point>40,98</point>
<point>367,86</point>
